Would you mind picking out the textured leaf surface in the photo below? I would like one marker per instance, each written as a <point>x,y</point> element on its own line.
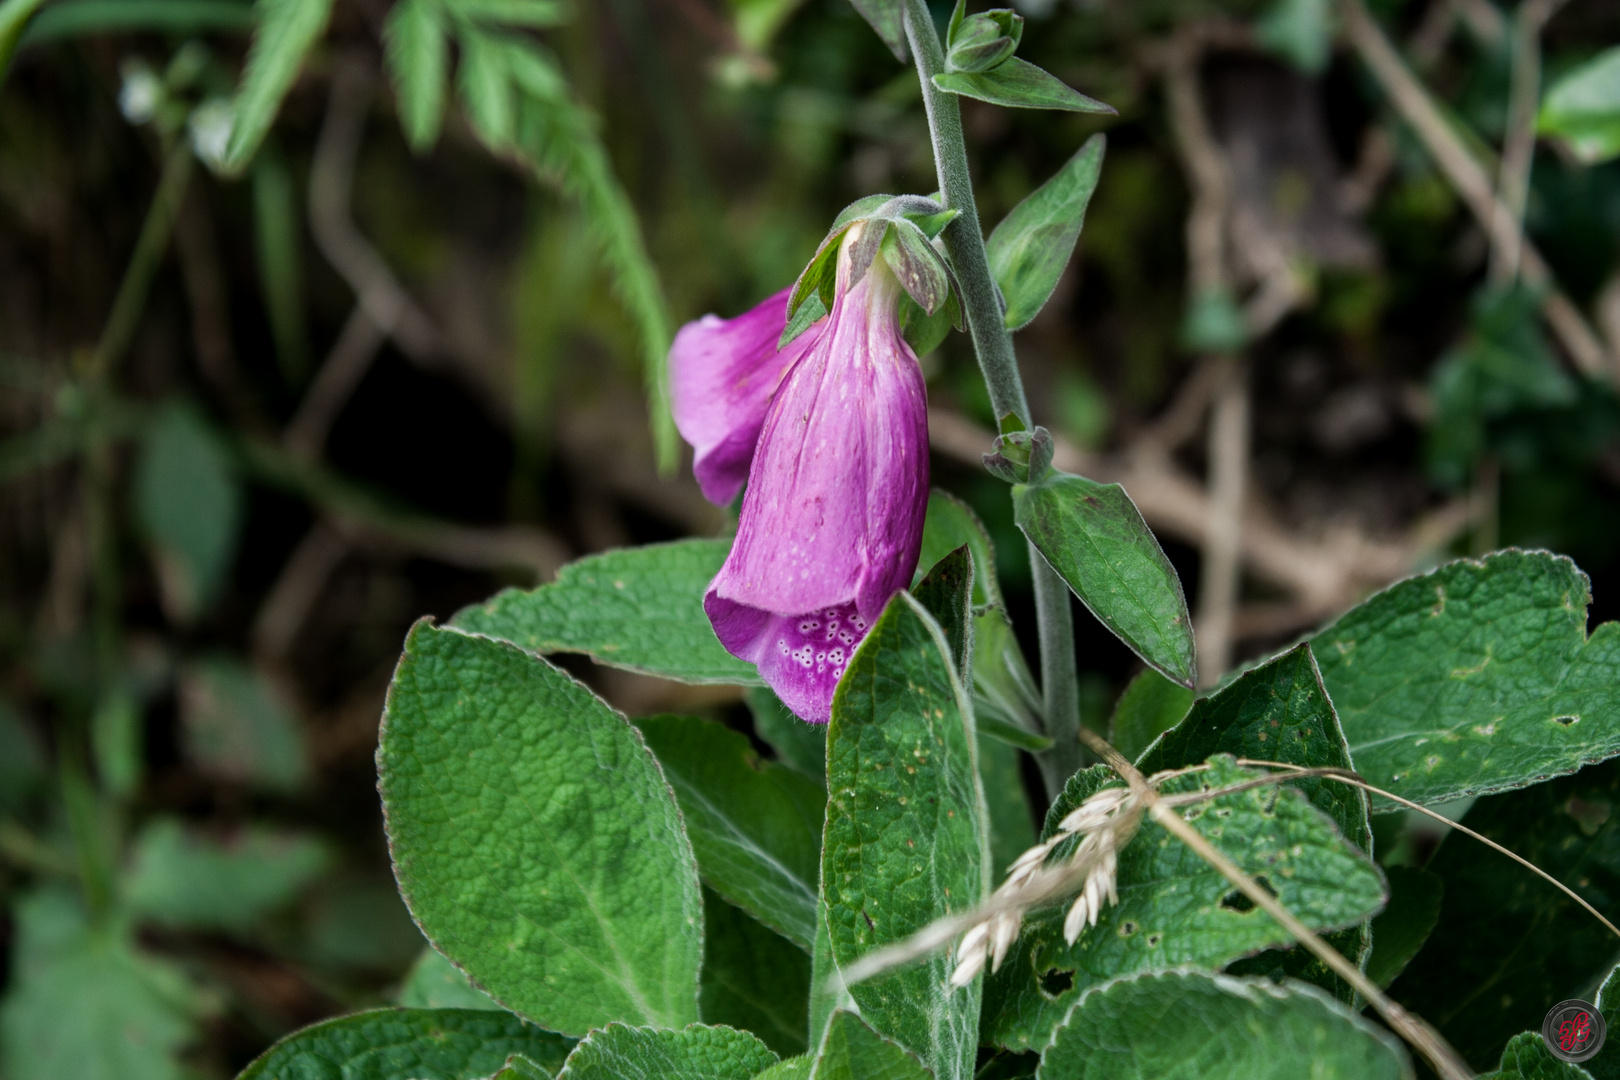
<point>1526,1057</point>
<point>1150,706</point>
<point>1193,1026</point>
<point>1279,712</point>
<point>753,978</point>
<point>905,832</point>
<point>1542,946</point>
<point>697,1052</point>
<point>1400,930</point>
<point>435,983</point>
<point>180,877</point>
<point>1174,910</point>
<point>84,1003</point>
<point>287,29</point>
<point>755,825</point>
<point>1032,244</point>
<point>1018,84</point>
<point>635,608</point>
<point>1096,540</point>
<point>535,838</point>
<point>1478,677</point>
<point>852,1050</point>
<point>409,1044</point>
<point>792,1069</point>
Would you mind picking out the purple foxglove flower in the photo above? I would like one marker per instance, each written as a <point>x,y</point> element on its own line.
<point>722,374</point>
<point>832,520</point>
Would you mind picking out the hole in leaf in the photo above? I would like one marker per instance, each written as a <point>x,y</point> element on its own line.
<point>1056,981</point>
<point>1236,901</point>
<point>1154,939</point>
<point>1566,720</point>
<point>1127,928</point>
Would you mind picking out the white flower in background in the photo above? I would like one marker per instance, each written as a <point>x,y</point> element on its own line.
<point>141,94</point>
<point>210,128</point>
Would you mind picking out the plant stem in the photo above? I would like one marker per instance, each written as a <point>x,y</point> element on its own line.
<point>964,241</point>
<point>143,262</point>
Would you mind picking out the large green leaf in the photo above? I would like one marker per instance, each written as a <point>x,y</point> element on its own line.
<point>1401,928</point>
<point>755,825</point>
<point>1150,706</point>
<point>435,983</point>
<point>535,838</point>
<point>83,1002</point>
<point>753,979</point>
<point>636,608</point>
<point>1174,910</point>
<point>1018,84</point>
<point>696,1052</point>
<point>1192,1026</point>
<point>852,1050</point>
<point>1095,538</point>
<point>409,1044</point>
<point>905,835</point>
<point>1526,1057</point>
<point>1583,108</point>
<point>287,29</point>
<point>1032,244</point>
<point>1279,712</point>
<point>1475,678</point>
<point>181,877</point>
<point>1508,945</point>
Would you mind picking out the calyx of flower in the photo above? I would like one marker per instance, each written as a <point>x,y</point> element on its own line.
<point>1021,457</point>
<point>983,41</point>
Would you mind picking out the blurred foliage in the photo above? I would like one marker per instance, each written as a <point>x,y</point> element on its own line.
<point>198,612</point>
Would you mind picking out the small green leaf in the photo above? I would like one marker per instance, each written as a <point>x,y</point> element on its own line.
<point>801,745</point>
<point>1542,946</point>
<point>1583,108</point>
<point>1299,31</point>
<point>635,608</point>
<point>1191,1026</point>
<point>435,983</point>
<point>1150,706</point>
<point>190,508</point>
<point>83,1002</point>
<point>286,31</point>
<point>754,979</point>
<point>485,86</point>
<point>1174,910</point>
<point>1018,84</point>
<point>853,1050</point>
<point>697,1052</point>
<point>1214,323</point>
<point>535,838</point>
<point>183,878</point>
<point>1400,930</point>
<point>1526,1057</point>
<point>755,825</point>
<point>238,728</point>
<point>73,18</point>
<point>410,1044</point>
<point>905,834</point>
<point>1030,247</point>
<point>887,18</point>
<point>1474,678</point>
<point>1095,538</point>
<point>418,58</point>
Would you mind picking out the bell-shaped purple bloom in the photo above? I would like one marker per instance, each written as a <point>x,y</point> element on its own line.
<point>832,520</point>
<point>722,373</point>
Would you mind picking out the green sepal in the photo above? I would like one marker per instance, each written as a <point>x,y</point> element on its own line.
<point>1018,84</point>
<point>920,269</point>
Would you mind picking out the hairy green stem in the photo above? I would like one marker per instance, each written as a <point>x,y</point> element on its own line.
<point>964,241</point>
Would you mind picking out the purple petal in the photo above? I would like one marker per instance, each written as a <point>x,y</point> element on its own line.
<point>722,374</point>
<point>801,657</point>
<point>836,496</point>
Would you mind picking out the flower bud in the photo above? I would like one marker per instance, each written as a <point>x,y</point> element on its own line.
<point>984,41</point>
